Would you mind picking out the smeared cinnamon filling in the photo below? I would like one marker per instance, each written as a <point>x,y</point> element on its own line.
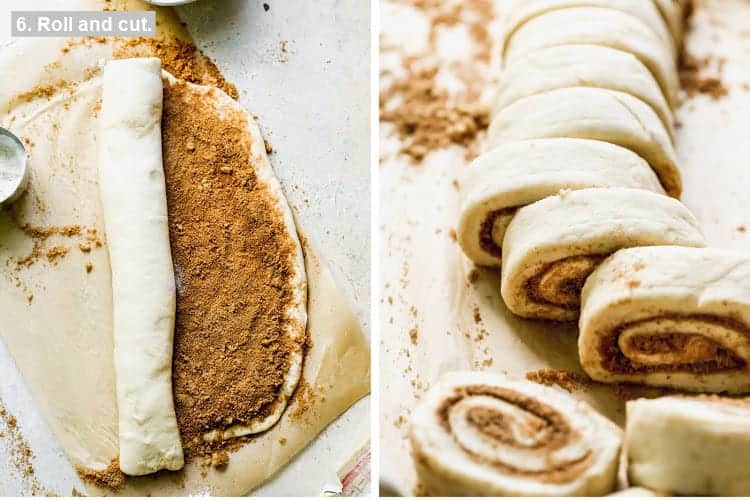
<point>534,427</point>
<point>625,352</point>
<point>559,283</point>
<point>487,229</point>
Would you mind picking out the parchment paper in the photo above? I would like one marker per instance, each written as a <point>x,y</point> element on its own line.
<point>424,281</point>
<point>62,339</point>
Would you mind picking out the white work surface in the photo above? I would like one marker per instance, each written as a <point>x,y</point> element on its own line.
<point>312,103</point>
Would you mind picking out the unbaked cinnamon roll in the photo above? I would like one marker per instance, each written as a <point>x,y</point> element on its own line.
<point>689,446</point>
<point>566,66</point>
<point>522,11</point>
<point>513,175</point>
<point>669,316</point>
<point>591,113</point>
<point>483,434</point>
<point>599,26</point>
<point>552,246</point>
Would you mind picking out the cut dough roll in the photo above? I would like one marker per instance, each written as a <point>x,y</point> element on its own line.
<point>591,113</point>
<point>669,316</point>
<point>674,13</point>
<point>598,26</point>
<point>582,66</point>
<point>133,195</point>
<point>484,434</point>
<point>689,446</point>
<point>551,246</point>
<point>521,11</point>
<point>513,175</point>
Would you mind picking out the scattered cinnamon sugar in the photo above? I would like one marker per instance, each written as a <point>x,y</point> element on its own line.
<point>570,381</point>
<point>217,460</point>
<point>230,350</point>
<point>427,116</point>
<point>477,315</point>
<point>39,236</point>
<point>301,401</point>
<point>75,493</point>
<point>89,266</point>
<point>111,477</point>
<point>19,452</point>
<point>693,79</point>
<point>182,59</point>
<point>55,253</point>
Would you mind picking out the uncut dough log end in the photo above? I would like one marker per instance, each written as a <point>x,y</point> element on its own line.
<point>689,446</point>
<point>669,316</point>
<point>133,197</point>
<point>464,437</point>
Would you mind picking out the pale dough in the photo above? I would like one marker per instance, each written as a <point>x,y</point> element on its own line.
<point>689,446</point>
<point>545,442</point>
<point>521,11</point>
<point>701,295</point>
<point>133,195</point>
<point>551,246</point>
<point>599,26</point>
<point>582,66</point>
<point>518,173</point>
<point>591,113</point>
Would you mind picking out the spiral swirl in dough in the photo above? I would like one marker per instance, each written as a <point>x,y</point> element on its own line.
<point>479,433</point>
<point>669,316</point>
<point>592,113</point>
<point>552,246</point>
<point>513,175</point>
<point>599,26</point>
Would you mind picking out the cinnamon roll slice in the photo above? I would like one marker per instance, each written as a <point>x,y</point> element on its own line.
<point>484,434</point>
<point>669,316</point>
<point>522,11</point>
<point>513,175</point>
<point>552,246</point>
<point>582,66</point>
<point>592,113</point>
<point>696,446</point>
<point>599,26</point>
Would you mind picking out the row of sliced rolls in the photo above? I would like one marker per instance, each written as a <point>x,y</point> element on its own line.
<point>580,165</point>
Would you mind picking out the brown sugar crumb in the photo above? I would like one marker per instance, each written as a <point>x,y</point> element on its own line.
<point>75,493</point>
<point>217,460</point>
<point>55,253</point>
<point>84,247</point>
<point>267,145</point>
<point>570,381</point>
<point>282,440</point>
<point>452,235</point>
<point>414,335</point>
<point>180,58</point>
<point>110,478</point>
<point>633,284</point>
<point>89,266</point>
<point>693,79</point>
<point>473,276</point>
<point>29,297</point>
<point>477,316</point>
<point>741,228</point>
<point>231,353</point>
<point>302,400</point>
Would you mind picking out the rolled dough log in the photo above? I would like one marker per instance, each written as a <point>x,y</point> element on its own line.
<point>551,246</point>
<point>521,11</point>
<point>599,26</point>
<point>674,12</point>
<point>134,201</point>
<point>484,434</point>
<point>689,446</point>
<point>591,113</point>
<point>669,316</point>
<point>582,66</point>
<point>513,175</point>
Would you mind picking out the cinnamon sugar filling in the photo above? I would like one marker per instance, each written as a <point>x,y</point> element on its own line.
<point>487,229</point>
<point>670,351</point>
<point>559,283</point>
<point>544,430</point>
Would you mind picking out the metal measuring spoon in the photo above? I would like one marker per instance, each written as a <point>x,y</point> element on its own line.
<point>14,174</point>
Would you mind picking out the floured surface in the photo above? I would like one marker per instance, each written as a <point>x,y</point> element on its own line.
<point>437,313</point>
<point>60,305</point>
